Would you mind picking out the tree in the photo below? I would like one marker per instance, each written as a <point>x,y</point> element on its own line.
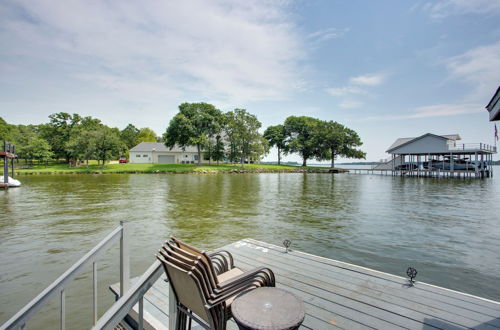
<point>129,136</point>
<point>275,135</point>
<point>217,150</point>
<point>243,135</point>
<point>83,146</point>
<point>21,136</point>
<point>39,149</point>
<point>338,140</point>
<point>145,135</point>
<point>59,130</point>
<point>301,137</point>
<point>192,126</point>
<point>5,131</point>
<point>107,144</point>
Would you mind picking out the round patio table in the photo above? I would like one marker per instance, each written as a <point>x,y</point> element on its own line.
<point>268,309</point>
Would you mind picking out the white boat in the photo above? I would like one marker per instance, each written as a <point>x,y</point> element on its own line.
<point>12,182</point>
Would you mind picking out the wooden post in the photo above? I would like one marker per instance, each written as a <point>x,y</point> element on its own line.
<point>12,162</point>
<point>5,164</point>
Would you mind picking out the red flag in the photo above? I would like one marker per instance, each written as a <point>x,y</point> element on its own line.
<point>496,132</point>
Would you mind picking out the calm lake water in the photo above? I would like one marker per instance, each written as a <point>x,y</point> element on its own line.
<point>449,229</point>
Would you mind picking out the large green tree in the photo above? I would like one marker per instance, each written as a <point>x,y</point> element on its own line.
<point>59,131</point>
<point>108,144</point>
<point>275,135</point>
<point>243,134</point>
<point>5,131</point>
<point>38,149</point>
<point>302,137</point>
<point>192,126</point>
<point>336,140</point>
<point>146,135</point>
<point>83,146</point>
<point>129,136</point>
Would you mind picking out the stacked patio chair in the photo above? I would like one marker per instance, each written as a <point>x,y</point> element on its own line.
<point>205,284</point>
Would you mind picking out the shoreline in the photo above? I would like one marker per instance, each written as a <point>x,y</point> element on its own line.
<point>174,169</point>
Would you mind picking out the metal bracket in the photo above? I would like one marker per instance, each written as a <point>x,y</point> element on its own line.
<point>412,273</point>
<point>286,244</point>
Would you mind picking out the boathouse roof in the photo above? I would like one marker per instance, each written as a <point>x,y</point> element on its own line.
<point>404,141</point>
<point>161,147</point>
<point>494,106</point>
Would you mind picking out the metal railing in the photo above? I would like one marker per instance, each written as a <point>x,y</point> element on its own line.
<point>57,288</point>
<point>135,295</point>
<point>474,147</point>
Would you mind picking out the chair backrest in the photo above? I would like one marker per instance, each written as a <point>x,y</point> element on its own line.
<point>198,253</point>
<point>207,267</point>
<point>189,266</point>
<point>187,290</point>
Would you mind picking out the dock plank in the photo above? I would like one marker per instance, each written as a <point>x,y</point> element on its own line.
<point>363,291</point>
<point>363,271</point>
<point>345,296</point>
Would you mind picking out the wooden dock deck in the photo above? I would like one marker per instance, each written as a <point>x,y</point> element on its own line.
<point>341,295</point>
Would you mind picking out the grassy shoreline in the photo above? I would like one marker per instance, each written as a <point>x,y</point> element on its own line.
<point>169,169</point>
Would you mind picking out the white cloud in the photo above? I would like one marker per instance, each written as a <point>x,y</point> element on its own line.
<point>444,8</point>
<point>479,67</point>
<point>350,104</point>
<point>346,90</point>
<point>368,80</point>
<point>219,49</point>
<point>326,34</point>
<point>439,110</point>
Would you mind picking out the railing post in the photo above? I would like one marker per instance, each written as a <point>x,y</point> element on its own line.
<point>94,290</point>
<point>124,259</point>
<point>141,313</point>
<point>63,310</point>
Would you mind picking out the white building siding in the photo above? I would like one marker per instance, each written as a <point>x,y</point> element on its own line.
<point>140,157</point>
<point>427,144</point>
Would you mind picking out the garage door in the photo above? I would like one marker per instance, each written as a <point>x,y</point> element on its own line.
<point>166,159</point>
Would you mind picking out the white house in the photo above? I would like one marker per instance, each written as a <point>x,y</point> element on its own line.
<point>158,153</point>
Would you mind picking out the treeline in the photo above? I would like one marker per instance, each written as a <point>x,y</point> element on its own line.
<point>73,138</point>
<point>234,136</point>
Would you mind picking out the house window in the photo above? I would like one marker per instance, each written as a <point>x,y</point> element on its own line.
<point>144,155</point>
<point>137,155</point>
<point>195,157</point>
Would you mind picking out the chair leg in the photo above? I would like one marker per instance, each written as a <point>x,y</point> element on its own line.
<point>180,322</point>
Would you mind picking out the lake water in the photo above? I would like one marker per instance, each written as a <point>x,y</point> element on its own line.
<point>449,229</point>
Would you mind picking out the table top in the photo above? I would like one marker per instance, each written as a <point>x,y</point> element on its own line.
<point>268,308</point>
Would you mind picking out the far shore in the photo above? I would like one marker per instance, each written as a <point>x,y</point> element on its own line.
<point>171,169</point>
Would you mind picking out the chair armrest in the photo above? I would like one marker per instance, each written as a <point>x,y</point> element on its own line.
<point>222,260</point>
<point>263,274</point>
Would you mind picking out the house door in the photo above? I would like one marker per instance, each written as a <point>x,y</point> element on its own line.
<point>166,159</point>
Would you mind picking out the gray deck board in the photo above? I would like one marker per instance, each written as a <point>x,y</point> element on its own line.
<point>319,279</point>
<point>344,296</point>
<point>428,291</point>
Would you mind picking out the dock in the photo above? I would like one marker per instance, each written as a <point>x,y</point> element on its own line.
<point>341,295</point>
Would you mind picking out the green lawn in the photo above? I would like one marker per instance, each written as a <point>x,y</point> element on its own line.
<point>162,168</point>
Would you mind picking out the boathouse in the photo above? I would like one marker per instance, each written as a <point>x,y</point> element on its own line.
<point>438,155</point>
<point>493,106</point>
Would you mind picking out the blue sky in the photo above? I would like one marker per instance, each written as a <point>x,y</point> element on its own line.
<point>387,69</point>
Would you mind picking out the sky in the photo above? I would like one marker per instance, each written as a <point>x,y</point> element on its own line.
<point>386,69</point>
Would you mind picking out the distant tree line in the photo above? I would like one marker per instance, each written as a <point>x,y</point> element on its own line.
<point>73,138</point>
<point>234,136</point>
<point>231,136</point>
<point>312,138</point>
